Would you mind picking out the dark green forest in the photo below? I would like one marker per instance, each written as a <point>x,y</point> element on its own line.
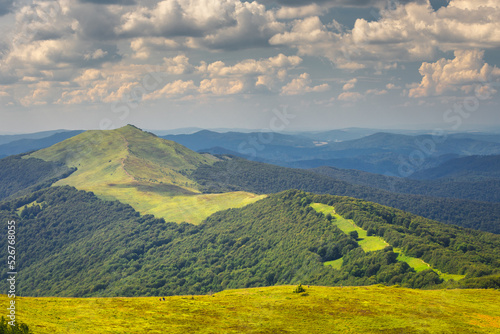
<point>20,176</point>
<point>70,243</point>
<point>476,189</point>
<point>239,174</point>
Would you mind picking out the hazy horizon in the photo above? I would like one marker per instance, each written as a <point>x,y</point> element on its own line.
<point>189,130</point>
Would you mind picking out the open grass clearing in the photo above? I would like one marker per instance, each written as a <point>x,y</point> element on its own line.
<point>374,243</point>
<point>367,243</point>
<point>335,264</point>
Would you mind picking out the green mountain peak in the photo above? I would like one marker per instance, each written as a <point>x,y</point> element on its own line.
<point>137,168</point>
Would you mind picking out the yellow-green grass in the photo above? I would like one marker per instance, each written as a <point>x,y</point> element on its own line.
<point>371,309</point>
<point>181,208</point>
<point>367,243</point>
<point>374,243</point>
<point>323,208</point>
<point>448,277</point>
<point>416,263</point>
<point>126,156</point>
<point>420,265</point>
<point>194,208</point>
<point>142,170</point>
<point>335,264</point>
<point>20,209</point>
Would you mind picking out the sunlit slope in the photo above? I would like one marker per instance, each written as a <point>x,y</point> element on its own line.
<point>140,169</point>
<point>370,309</point>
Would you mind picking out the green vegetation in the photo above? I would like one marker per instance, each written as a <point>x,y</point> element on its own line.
<point>470,184</point>
<point>445,248</point>
<point>194,208</point>
<point>367,243</point>
<point>335,264</point>
<point>18,328</point>
<point>374,243</point>
<point>75,244</point>
<point>22,176</point>
<point>299,289</point>
<point>417,264</point>
<point>367,309</point>
<point>137,168</point>
<point>233,174</point>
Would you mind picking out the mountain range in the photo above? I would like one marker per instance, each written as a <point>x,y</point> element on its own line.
<point>382,153</point>
<point>126,213</point>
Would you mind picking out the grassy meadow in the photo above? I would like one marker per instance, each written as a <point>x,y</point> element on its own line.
<point>370,309</point>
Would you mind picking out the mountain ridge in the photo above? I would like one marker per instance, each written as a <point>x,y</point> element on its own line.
<point>140,169</point>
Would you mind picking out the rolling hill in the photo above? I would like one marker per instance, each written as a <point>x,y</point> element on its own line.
<point>71,243</point>
<point>163,178</point>
<point>140,169</point>
<point>85,228</point>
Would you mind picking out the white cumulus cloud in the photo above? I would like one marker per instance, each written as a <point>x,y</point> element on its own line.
<point>302,85</point>
<point>451,75</point>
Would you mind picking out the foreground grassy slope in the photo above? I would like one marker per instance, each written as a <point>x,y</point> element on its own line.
<point>142,170</point>
<point>370,309</point>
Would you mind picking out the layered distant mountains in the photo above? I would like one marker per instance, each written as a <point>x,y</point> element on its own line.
<point>381,153</point>
<point>15,144</point>
<point>386,153</point>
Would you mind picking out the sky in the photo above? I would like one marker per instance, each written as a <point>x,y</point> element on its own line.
<point>270,65</point>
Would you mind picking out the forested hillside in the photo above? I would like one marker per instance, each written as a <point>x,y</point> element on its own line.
<point>21,176</point>
<point>238,174</point>
<point>70,243</point>
<point>477,189</point>
<point>140,169</point>
<point>471,168</point>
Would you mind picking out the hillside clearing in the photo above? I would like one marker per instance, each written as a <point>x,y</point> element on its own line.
<point>374,243</point>
<point>367,243</point>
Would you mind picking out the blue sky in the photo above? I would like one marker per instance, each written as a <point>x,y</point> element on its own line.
<point>88,64</point>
